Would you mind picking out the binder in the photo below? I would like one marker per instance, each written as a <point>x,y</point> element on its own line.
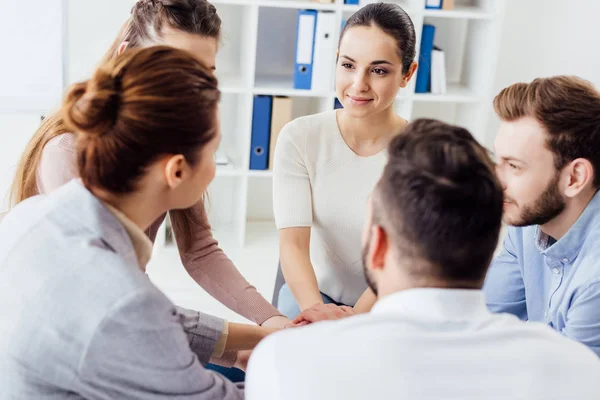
<point>281,115</point>
<point>261,129</point>
<point>337,104</point>
<point>438,71</point>
<point>351,1</point>
<point>424,69</point>
<point>324,54</point>
<point>435,4</point>
<point>448,5</point>
<point>305,47</point>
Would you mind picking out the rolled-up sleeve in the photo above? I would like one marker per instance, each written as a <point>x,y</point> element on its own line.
<point>140,351</point>
<point>206,333</point>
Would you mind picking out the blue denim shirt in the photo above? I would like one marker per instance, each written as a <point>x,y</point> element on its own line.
<point>557,283</point>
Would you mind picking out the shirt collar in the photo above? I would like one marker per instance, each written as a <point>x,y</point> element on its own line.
<point>142,245</point>
<point>567,248</point>
<point>435,304</point>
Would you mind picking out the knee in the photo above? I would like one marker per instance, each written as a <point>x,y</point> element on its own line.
<point>287,303</point>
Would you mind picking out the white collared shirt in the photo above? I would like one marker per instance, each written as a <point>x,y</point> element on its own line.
<point>423,344</point>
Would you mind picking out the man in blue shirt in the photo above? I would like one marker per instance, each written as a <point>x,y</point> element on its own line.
<point>548,162</point>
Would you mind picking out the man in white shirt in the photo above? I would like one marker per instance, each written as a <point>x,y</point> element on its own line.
<point>432,227</point>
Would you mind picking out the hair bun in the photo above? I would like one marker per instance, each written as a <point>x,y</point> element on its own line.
<point>92,107</point>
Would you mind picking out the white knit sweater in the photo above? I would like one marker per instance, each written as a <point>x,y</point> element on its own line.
<point>319,182</point>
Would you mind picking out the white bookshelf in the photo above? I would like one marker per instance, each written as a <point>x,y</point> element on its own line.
<point>469,35</point>
<point>256,56</point>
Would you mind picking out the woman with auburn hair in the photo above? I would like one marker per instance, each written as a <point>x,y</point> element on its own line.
<point>96,327</point>
<point>50,161</point>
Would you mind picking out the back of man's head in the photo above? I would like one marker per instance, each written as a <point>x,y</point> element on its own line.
<point>440,204</point>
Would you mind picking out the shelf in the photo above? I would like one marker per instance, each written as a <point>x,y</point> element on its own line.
<point>231,84</point>
<point>260,174</point>
<point>284,86</point>
<point>461,12</point>
<point>229,170</point>
<point>351,8</point>
<point>280,4</point>
<point>298,4</point>
<point>456,93</point>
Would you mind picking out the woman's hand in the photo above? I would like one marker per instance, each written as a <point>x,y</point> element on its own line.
<point>322,312</point>
<point>277,322</point>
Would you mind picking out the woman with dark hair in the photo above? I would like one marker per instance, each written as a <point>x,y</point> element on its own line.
<point>327,164</point>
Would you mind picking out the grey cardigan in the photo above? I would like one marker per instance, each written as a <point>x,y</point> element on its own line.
<point>79,319</point>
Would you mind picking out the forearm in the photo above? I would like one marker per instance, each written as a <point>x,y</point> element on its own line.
<point>365,302</point>
<point>300,276</point>
<point>245,336</point>
<point>210,267</point>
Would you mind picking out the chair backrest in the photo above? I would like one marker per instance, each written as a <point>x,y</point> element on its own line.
<point>279,282</point>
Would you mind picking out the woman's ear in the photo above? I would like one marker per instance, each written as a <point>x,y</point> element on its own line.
<point>175,170</point>
<point>411,71</point>
<point>122,47</point>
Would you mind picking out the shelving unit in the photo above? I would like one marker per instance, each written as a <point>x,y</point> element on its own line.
<point>256,56</point>
<point>469,34</point>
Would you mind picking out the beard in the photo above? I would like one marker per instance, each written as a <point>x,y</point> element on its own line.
<point>547,207</point>
<point>368,276</point>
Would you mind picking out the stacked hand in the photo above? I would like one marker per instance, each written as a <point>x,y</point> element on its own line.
<point>322,312</point>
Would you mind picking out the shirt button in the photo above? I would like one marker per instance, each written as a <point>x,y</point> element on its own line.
<point>565,260</point>
<point>556,271</point>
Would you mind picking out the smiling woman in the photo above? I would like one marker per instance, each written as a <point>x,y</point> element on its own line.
<point>326,165</point>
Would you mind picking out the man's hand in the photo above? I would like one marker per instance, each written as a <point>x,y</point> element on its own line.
<point>321,312</point>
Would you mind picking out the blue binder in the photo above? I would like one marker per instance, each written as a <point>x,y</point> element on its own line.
<point>305,49</point>
<point>350,1</point>
<point>424,70</point>
<point>433,4</point>
<point>261,132</point>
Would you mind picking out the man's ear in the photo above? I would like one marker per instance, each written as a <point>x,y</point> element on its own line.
<point>580,174</point>
<point>175,170</point>
<point>379,247</point>
<point>122,47</point>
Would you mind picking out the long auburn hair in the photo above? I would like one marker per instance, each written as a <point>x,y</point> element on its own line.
<point>145,103</point>
<point>143,28</point>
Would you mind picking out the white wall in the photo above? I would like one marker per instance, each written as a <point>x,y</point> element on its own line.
<point>547,37</point>
<point>15,131</point>
<point>540,38</point>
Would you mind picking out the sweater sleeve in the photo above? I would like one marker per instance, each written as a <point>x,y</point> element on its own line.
<point>292,201</point>
<point>58,164</point>
<point>208,265</point>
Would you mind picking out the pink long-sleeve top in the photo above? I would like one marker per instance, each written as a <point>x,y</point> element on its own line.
<point>204,261</point>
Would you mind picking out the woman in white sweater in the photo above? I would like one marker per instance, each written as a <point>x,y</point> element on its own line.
<point>327,164</point>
